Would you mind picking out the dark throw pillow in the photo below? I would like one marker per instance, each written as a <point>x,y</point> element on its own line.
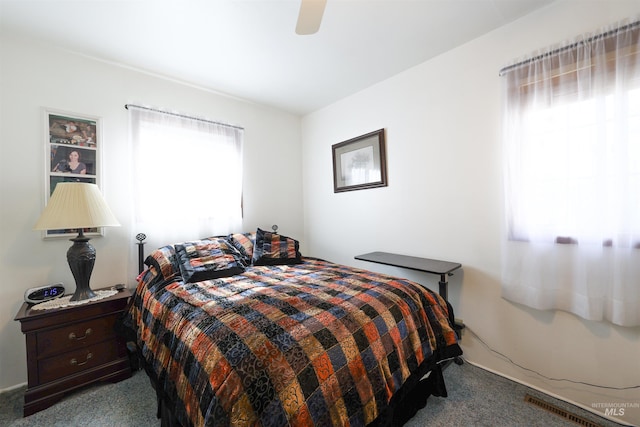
<point>208,259</point>
<point>164,262</point>
<point>275,249</point>
<point>244,243</point>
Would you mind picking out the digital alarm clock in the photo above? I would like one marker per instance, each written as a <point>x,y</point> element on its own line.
<point>44,293</point>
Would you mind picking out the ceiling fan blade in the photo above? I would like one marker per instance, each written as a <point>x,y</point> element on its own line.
<point>310,16</point>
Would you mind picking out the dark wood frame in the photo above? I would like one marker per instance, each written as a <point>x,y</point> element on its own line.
<point>374,144</point>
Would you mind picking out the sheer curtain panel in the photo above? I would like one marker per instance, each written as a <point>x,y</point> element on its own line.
<point>188,176</point>
<point>571,134</point>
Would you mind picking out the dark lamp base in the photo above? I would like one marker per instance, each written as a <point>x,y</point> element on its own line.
<point>81,257</point>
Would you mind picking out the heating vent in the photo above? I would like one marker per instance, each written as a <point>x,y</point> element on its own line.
<point>560,412</point>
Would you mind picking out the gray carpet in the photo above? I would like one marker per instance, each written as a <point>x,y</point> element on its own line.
<point>476,398</point>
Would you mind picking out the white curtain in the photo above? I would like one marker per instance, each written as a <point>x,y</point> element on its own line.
<point>571,133</point>
<point>188,176</point>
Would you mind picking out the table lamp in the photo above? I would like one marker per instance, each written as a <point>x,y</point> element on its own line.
<point>77,205</point>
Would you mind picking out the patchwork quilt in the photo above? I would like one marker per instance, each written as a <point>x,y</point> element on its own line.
<point>309,344</point>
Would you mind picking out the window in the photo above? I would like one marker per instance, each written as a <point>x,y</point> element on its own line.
<point>571,130</point>
<point>578,177</point>
<point>188,175</point>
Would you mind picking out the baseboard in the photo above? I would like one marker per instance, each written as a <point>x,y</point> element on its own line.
<point>564,399</point>
<point>12,387</point>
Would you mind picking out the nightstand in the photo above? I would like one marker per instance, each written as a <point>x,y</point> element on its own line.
<point>71,347</point>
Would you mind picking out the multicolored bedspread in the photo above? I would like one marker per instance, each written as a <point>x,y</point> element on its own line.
<point>312,344</point>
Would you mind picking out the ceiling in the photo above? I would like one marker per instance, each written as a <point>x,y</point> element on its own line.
<point>249,48</point>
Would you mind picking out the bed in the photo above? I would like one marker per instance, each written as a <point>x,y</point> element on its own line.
<point>243,330</point>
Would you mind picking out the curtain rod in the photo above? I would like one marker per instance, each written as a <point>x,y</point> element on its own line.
<point>184,116</point>
<point>626,27</point>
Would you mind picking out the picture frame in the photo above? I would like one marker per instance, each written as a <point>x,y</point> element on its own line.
<point>360,163</point>
<point>72,144</point>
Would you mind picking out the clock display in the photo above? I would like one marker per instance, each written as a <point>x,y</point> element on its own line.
<point>44,293</point>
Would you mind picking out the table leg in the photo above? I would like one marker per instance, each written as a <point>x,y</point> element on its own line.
<point>443,291</point>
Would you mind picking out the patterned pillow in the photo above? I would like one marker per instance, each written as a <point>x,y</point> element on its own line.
<point>275,249</point>
<point>163,261</point>
<point>244,243</point>
<point>208,259</point>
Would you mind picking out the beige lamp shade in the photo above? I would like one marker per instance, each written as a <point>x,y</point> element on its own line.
<point>76,205</point>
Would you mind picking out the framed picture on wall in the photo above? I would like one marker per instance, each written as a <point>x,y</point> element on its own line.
<point>360,163</point>
<point>72,154</point>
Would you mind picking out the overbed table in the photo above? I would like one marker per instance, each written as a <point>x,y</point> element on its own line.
<point>426,265</point>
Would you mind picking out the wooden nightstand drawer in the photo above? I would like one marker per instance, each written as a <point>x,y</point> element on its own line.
<point>78,335</point>
<point>72,362</point>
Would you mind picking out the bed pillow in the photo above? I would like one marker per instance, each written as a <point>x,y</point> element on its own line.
<point>244,243</point>
<point>275,249</point>
<point>163,261</point>
<point>208,259</point>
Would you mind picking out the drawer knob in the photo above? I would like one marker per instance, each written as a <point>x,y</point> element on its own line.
<point>72,335</point>
<point>74,361</point>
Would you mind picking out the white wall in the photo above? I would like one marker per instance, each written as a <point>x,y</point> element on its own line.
<point>34,76</point>
<point>442,121</point>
